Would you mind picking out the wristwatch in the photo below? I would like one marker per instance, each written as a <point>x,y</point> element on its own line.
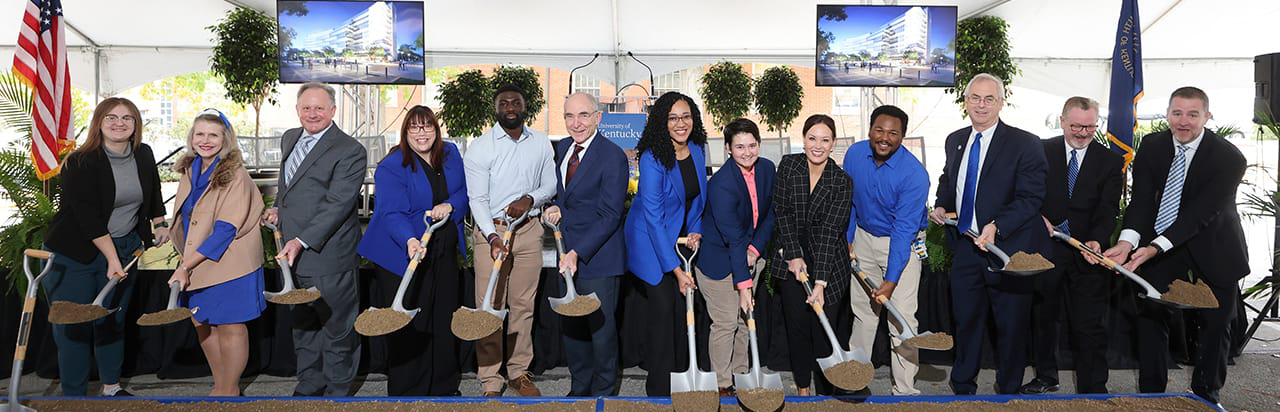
<point>160,224</point>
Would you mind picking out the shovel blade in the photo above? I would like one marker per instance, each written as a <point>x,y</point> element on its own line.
<point>750,380</point>
<point>15,408</point>
<point>694,380</point>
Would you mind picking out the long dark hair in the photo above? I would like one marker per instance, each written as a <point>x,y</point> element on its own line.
<point>422,115</point>
<point>657,139</point>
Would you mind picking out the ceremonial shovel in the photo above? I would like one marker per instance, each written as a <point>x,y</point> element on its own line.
<point>1151,292</point>
<point>65,313</point>
<point>288,294</point>
<point>24,326</point>
<point>472,324</point>
<point>768,384</point>
<point>991,247</point>
<point>584,304</point>
<point>922,340</point>
<point>396,317</point>
<point>693,379</point>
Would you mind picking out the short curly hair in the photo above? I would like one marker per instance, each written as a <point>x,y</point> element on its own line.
<point>657,139</point>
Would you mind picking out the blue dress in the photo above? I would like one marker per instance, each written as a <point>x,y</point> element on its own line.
<point>236,301</point>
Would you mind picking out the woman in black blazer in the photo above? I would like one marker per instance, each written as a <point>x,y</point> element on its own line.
<point>812,198</point>
<point>110,207</point>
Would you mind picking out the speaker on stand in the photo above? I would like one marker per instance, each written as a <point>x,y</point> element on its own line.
<point>1266,103</point>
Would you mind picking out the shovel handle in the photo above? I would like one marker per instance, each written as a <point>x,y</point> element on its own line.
<point>862,275</point>
<point>1079,245</point>
<point>38,254</point>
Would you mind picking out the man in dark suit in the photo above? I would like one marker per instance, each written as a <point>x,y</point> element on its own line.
<point>1082,199</point>
<point>315,209</point>
<point>1199,232</point>
<point>994,177</point>
<point>591,173</point>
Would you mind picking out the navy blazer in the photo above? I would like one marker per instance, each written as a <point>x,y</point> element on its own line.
<point>403,197</point>
<point>657,213</point>
<point>1011,188</point>
<point>728,218</point>
<point>591,207</point>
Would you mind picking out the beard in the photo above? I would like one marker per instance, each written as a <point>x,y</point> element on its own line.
<point>512,123</point>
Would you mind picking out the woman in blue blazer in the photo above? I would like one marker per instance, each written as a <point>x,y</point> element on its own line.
<point>423,173</point>
<point>739,221</point>
<point>668,205</point>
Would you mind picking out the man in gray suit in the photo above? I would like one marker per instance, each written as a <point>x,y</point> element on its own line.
<point>315,210</point>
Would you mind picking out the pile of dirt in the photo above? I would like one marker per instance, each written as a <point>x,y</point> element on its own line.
<point>850,375</point>
<point>1196,295</point>
<point>112,405</point>
<point>381,321</point>
<point>165,317</point>
<point>65,313</point>
<point>296,297</point>
<point>932,341</point>
<point>760,399</point>
<point>581,306</point>
<point>695,401</point>
<point>472,325</point>
<point>1022,261</point>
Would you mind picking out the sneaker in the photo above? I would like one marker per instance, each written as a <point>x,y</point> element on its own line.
<point>1038,386</point>
<point>122,392</point>
<point>524,386</point>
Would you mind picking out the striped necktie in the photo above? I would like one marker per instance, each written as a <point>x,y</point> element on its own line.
<point>1073,170</point>
<point>1172,191</point>
<point>299,154</point>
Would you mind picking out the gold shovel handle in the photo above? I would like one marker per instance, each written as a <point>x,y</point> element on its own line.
<point>38,254</point>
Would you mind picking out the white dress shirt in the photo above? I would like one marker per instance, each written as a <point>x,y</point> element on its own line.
<point>501,169</point>
<point>1132,236</point>
<point>564,164</point>
<point>962,173</point>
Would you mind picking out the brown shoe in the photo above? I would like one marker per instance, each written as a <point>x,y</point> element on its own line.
<point>524,386</point>
<point>490,394</point>
<point>728,391</point>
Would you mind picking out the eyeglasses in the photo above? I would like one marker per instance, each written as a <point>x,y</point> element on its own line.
<point>1081,127</point>
<point>111,118</point>
<point>975,99</point>
<point>688,118</point>
<point>421,128</point>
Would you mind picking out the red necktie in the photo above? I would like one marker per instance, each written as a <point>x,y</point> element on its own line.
<point>573,164</point>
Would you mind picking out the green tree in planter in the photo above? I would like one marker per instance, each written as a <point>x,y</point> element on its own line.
<point>468,109</point>
<point>245,55</point>
<point>33,204</point>
<point>726,92</point>
<point>982,46</point>
<point>527,80</point>
<point>779,97</point>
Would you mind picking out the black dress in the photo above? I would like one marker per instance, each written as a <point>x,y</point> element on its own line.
<point>422,357</point>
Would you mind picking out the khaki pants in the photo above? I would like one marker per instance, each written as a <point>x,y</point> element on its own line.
<point>873,257</point>
<point>519,276</point>
<point>728,340</point>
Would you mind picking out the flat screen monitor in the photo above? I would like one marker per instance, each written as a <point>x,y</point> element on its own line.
<point>351,42</point>
<point>871,46</point>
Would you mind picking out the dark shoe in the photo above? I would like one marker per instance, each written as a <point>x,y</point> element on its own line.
<point>862,392</point>
<point>524,386</point>
<point>728,391</point>
<point>1038,386</point>
<point>1206,395</point>
<point>122,392</point>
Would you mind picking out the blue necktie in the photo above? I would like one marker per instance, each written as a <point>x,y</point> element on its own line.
<point>970,184</point>
<point>1073,170</point>
<point>1172,191</point>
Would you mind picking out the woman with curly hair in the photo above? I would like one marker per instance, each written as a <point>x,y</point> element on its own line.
<point>667,206</point>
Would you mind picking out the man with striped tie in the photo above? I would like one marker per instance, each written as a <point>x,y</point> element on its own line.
<point>1198,233</point>
<point>1082,198</point>
<point>315,209</point>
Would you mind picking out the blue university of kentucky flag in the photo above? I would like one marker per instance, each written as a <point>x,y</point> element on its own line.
<point>1126,81</point>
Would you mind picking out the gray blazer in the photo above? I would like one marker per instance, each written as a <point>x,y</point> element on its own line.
<point>320,206</point>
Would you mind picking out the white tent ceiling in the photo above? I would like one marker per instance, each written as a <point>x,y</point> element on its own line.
<point>1061,45</point>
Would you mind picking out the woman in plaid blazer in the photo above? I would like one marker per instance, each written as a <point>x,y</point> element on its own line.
<point>812,200</point>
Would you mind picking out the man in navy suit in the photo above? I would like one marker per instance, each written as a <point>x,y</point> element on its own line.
<point>1183,205</point>
<point>994,178</point>
<point>591,173</point>
<point>1082,198</point>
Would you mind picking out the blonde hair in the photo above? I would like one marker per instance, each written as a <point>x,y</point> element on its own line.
<point>229,142</point>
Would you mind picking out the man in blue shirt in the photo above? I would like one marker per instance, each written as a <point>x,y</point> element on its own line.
<point>890,191</point>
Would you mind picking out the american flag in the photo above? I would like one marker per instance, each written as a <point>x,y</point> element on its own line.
<point>40,60</point>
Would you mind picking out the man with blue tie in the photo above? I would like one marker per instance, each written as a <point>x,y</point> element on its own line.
<point>591,193</point>
<point>890,193</point>
<point>1082,199</point>
<point>1199,233</point>
<point>994,176</point>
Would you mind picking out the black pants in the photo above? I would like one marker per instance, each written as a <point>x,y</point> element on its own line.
<point>422,357</point>
<point>1085,289</point>
<point>1153,328</point>
<point>591,342</point>
<point>806,339</point>
<point>667,347</point>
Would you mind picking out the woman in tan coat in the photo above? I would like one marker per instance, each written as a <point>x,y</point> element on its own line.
<point>216,232</point>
